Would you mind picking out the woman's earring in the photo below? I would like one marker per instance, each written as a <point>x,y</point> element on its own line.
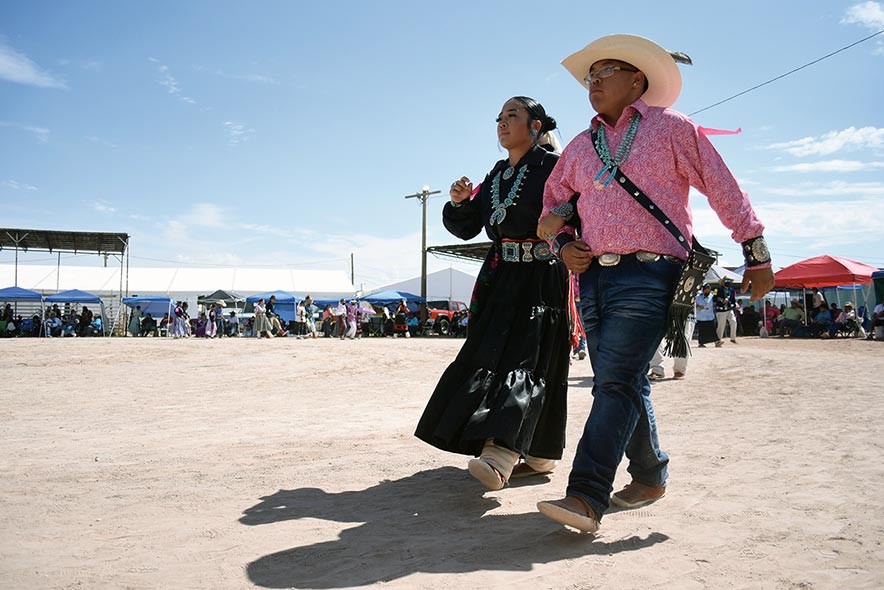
<point>533,134</point>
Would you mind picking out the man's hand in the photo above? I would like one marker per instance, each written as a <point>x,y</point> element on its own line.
<point>762,281</point>
<point>549,226</point>
<point>576,255</point>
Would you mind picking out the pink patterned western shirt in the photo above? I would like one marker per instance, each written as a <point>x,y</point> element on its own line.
<point>669,155</point>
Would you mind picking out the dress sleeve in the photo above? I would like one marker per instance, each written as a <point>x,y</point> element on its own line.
<point>558,189</point>
<point>465,221</point>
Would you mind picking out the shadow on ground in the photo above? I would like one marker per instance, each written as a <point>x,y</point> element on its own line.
<point>433,521</point>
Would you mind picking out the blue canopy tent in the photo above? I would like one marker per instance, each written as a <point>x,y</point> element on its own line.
<point>385,298</point>
<point>155,306</point>
<point>81,297</point>
<point>284,306</point>
<point>16,294</point>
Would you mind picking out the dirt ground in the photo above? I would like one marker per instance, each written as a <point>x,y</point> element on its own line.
<point>241,463</point>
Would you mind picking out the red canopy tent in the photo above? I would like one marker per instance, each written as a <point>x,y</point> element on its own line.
<point>824,271</point>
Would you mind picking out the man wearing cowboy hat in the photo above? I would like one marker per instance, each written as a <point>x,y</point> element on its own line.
<point>725,306</point>
<point>630,256</point>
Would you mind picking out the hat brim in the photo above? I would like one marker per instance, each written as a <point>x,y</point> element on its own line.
<point>656,63</point>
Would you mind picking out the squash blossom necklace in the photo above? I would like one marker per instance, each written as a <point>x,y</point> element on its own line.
<point>499,209</point>
<point>611,165</point>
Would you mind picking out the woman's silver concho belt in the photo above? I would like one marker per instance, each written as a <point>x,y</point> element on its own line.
<point>525,251</point>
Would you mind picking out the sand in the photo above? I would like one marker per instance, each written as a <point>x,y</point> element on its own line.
<point>240,463</point>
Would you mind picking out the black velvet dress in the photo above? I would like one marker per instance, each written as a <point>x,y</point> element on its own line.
<point>509,381</point>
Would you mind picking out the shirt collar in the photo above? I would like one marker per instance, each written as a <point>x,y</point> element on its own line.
<point>639,106</point>
<point>533,157</point>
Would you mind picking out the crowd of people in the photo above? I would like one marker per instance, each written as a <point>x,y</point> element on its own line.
<point>821,320</point>
<point>346,319</point>
<point>54,323</point>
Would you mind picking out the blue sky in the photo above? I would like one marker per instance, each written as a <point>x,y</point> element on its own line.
<point>288,133</point>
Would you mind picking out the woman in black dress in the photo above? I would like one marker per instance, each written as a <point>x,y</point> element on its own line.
<point>504,396</point>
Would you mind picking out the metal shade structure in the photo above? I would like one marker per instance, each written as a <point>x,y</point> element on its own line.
<point>474,251</point>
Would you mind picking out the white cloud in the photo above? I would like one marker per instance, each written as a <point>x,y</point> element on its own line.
<point>15,185</point>
<point>100,141</point>
<point>834,141</point>
<point>834,188</point>
<point>207,215</point>
<point>40,133</point>
<point>829,166</point>
<point>256,78</point>
<point>101,207</point>
<point>17,67</point>
<point>823,224</point>
<point>237,133</point>
<point>169,82</point>
<point>867,14</point>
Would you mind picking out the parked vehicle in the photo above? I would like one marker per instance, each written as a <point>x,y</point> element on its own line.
<point>441,315</point>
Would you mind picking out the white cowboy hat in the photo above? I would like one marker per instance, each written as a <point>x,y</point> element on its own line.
<point>658,65</point>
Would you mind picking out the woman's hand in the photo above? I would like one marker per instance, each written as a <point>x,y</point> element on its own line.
<point>461,190</point>
<point>549,226</point>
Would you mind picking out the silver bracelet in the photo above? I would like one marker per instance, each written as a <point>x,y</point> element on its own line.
<point>453,204</point>
<point>565,210</point>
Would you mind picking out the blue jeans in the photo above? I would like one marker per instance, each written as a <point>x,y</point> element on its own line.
<point>624,313</point>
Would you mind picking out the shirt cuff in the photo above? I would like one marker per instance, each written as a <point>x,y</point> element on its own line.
<point>564,237</point>
<point>755,252</point>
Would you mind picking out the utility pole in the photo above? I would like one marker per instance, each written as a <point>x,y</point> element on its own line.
<point>423,196</point>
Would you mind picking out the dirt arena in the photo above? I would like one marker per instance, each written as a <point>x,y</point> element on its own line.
<point>242,463</point>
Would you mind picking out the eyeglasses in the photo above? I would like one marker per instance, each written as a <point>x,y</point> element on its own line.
<point>603,73</point>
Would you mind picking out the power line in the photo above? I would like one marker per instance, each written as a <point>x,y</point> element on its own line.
<point>787,73</point>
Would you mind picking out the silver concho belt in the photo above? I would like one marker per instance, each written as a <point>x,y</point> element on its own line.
<point>609,259</point>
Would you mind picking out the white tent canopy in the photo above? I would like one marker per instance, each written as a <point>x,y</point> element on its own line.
<point>448,283</point>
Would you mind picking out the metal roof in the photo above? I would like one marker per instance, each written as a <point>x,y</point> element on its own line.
<point>476,251</point>
<point>63,241</point>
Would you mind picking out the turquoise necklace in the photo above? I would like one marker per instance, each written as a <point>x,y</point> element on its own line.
<point>609,171</point>
<point>499,209</point>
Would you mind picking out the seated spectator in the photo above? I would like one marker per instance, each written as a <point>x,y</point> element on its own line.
<point>232,324</point>
<point>164,324</point>
<point>69,324</point>
<point>845,320</point>
<point>792,320</point>
<point>273,317</point>
<point>52,325</point>
<point>200,329</point>
<point>876,328</point>
<point>95,327</point>
<point>86,317</point>
<point>149,325</point>
<point>771,317</point>
<point>750,320</point>
<point>413,324</point>
<point>821,321</point>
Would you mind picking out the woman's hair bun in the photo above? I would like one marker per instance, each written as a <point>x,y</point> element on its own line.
<point>549,124</point>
